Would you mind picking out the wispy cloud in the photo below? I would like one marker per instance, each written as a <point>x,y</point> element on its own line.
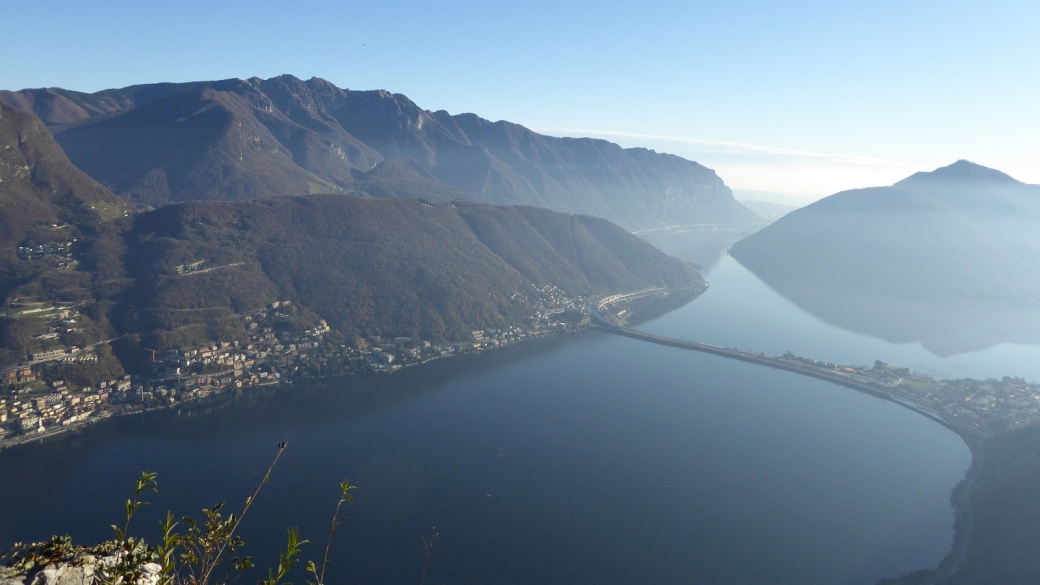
<point>802,174</point>
<point>733,148</point>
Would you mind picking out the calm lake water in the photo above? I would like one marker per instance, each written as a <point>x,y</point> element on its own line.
<point>583,459</point>
<point>772,324</point>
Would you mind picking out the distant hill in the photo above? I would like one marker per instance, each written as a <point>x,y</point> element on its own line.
<point>768,210</point>
<point>950,257</point>
<point>41,188</point>
<point>792,200</point>
<point>45,201</point>
<point>246,139</point>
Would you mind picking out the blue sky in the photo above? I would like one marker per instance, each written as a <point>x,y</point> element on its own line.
<point>802,98</point>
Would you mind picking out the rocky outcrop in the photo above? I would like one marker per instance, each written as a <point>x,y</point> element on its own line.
<point>81,571</point>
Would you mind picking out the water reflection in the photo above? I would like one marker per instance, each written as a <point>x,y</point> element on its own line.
<point>948,326</point>
<point>944,327</point>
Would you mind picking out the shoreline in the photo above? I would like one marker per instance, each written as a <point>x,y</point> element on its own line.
<point>59,430</point>
<point>974,438</point>
<point>961,493</point>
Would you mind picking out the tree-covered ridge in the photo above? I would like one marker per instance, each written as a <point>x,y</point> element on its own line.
<point>377,267</point>
<point>54,220</point>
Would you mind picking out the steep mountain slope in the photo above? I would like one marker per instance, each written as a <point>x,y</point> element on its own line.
<point>239,139</point>
<point>933,254</point>
<point>54,219</point>
<point>39,187</point>
<point>616,183</point>
<point>377,266</point>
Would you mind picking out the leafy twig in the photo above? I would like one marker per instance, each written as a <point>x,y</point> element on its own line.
<point>147,481</point>
<point>344,487</point>
<point>429,555</point>
<point>286,559</point>
<point>236,522</point>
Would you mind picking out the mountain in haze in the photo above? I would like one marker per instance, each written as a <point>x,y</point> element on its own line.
<point>949,257</point>
<point>793,200</point>
<point>247,139</point>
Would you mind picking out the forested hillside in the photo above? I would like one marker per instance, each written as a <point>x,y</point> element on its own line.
<point>54,221</point>
<point>376,267</point>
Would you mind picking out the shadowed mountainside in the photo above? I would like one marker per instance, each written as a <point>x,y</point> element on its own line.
<point>55,224</point>
<point>246,139</point>
<point>378,266</point>
<point>41,188</point>
<point>949,258</point>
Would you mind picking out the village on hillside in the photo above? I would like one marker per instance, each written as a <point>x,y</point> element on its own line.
<point>33,404</point>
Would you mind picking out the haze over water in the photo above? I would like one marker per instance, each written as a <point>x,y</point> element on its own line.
<point>772,324</point>
<point>586,459</point>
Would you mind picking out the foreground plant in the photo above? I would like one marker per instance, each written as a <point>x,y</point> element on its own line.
<point>199,556</point>
<point>206,553</point>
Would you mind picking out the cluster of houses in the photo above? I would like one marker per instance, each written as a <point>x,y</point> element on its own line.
<point>17,375</point>
<point>1000,404</point>
<point>191,373</point>
<point>59,254</point>
<point>52,323</point>
<point>60,405</point>
<point>989,405</point>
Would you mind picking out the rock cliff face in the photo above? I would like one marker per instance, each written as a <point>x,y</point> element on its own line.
<point>246,139</point>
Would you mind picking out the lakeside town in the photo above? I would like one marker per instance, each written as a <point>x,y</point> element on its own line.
<point>34,405</point>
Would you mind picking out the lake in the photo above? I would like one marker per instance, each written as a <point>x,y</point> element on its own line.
<point>587,458</point>
<point>772,324</point>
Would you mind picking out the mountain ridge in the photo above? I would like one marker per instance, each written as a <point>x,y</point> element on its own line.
<point>238,139</point>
